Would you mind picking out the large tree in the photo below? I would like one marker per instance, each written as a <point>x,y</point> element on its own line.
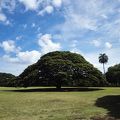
<point>61,68</point>
<point>103,58</point>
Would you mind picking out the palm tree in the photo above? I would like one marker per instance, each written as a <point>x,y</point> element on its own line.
<point>103,58</point>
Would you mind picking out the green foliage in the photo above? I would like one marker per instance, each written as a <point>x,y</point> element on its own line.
<point>7,79</point>
<point>29,77</point>
<point>113,75</point>
<point>61,69</point>
<point>103,58</point>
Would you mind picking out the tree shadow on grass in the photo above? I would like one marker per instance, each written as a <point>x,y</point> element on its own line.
<point>111,103</point>
<point>72,89</point>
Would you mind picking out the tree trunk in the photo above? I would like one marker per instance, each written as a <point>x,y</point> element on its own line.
<point>58,84</point>
<point>104,68</point>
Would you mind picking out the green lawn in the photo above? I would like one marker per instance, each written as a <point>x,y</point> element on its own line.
<point>37,104</point>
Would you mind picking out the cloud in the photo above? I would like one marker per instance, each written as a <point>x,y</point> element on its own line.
<point>42,6</point>
<point>48,9</point>
<point>30,4</point>
<point>47,45</point>
<point>3,18</point>
<point>82,22</point>
<point>33,25</point>
<point>96,43</point>
<point>76,22</point>
<point>57,3</point>
<point>79,20</point>
<point>94,17</point>
<point>8,5</point>
<point>7,22</point>
<point>9,46</point>
<point>108,45</point>
<point>26,57</point>
<point>76,50</point>
<point>74,44</point>
<point>9,67</point>
<point>99,43</point>
<point>29,56</point>
<point>19,37</point>
<point>16,64</point>
<point>10,59</point>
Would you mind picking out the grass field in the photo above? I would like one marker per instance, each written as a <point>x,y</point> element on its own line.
<point>68,104</point>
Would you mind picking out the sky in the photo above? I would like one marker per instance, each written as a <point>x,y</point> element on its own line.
<point>32,28</point>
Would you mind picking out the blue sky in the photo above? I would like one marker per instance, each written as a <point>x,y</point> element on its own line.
<point>32,28</point>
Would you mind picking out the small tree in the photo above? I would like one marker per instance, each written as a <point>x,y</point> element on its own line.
<point>103,58</point>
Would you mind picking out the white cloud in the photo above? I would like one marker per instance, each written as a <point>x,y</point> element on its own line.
<point>19,37</point>
<point>26,57</point>
<point>9,46</point>
<point>9,67</point>
<point>48,9</point>
<point>10,59</point>
<point>8,5</point>
<point>47,45</point>
<point>75,50</point>
<point>78,22</point>
<point>41,6</point>
<point>83,22</point>
<point>8,22</point>
<point>57,3</point>
<point>29,56</point>
<point>2,17</point>
<point>33,25</point>
<point>104,16</point>
<point>30,4</point>
<point>96,43</point>
<point>91,16</point>
<point>108,45</point>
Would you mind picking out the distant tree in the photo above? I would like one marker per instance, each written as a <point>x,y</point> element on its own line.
<point>113,75</point>
<point>103,58</point>
<point>7,80</point>
<point>61,68</point>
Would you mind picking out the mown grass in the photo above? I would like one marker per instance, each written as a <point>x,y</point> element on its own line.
<point>36,104</point>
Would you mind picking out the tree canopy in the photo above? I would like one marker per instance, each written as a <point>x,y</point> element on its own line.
<point>103,58</point>
<point>61,68</point>
<point>7,79</point>
<point>113,75</point>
